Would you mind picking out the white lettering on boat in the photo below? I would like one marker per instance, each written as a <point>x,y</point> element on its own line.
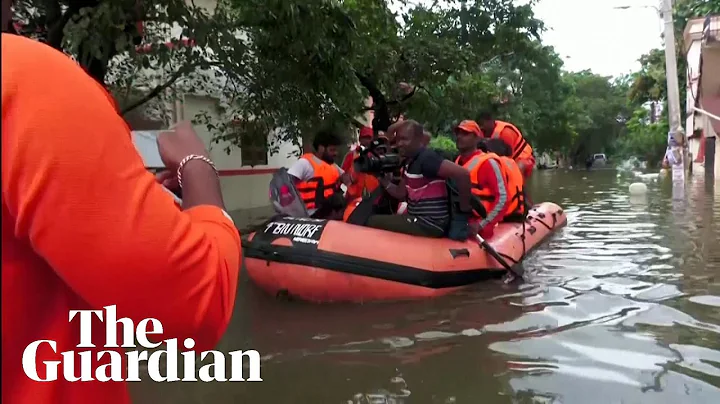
<point>303,232</point>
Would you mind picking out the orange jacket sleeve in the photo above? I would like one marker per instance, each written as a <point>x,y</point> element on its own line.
<point>348,161</point>
<point>510,137</point>
<point>78,191</point>
<point>491,177</point>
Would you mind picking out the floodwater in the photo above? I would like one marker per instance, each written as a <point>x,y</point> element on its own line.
<point>621,306</point>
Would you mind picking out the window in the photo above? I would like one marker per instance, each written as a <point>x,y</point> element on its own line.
<point>254,155</point>
<point>253,144</point>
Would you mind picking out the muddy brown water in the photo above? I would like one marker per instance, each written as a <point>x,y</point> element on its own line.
<point>621,306</point>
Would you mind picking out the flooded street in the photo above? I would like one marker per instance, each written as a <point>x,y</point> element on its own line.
<point>621,306</point>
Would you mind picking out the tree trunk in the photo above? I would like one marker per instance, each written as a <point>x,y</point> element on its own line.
<point>653,112</point>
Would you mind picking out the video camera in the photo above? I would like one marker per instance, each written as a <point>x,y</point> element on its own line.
<point>378,158</point>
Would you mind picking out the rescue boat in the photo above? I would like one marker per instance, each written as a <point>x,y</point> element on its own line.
<point>332,261</point>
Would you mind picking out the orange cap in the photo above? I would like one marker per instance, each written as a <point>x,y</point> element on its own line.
<point>469,126</point>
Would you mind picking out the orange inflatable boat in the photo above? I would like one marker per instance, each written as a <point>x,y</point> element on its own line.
<point>333,261</point>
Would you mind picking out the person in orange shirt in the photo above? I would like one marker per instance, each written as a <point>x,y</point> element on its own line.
<point>362,184</point>
<point>487,175</point>
<point>518,202</point>
<point>522,152</point>
<point>85,225</point>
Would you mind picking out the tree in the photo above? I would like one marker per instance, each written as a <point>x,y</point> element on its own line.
<point>280,69</point>
<point>644,139</point>
<point>318,61</point>
<point>599,112</point>
<point>300,74</point>
<point>650,83</point>
<point>140,49</point>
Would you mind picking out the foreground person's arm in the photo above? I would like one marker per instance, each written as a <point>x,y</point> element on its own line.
<point>461,177</point>
<point>80,195</point>
<point>201,186</point>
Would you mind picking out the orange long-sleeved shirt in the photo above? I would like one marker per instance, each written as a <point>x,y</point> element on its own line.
<point>84,226</point>
<point>491,180</point>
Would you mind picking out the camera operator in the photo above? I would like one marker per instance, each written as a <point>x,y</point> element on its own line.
<point>362,184</point>
<point>423,186</point>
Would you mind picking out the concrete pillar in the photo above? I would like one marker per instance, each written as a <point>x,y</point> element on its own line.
<point>710,158</point>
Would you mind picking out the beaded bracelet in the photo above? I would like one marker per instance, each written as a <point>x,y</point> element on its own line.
<point>190,158</point>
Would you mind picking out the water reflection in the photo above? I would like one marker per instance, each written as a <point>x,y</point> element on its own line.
<point>623,305</point>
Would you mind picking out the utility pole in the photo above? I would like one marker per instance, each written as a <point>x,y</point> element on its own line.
<point>677,142</point>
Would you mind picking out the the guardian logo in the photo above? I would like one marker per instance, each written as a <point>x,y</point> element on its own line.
<point>109,365</point>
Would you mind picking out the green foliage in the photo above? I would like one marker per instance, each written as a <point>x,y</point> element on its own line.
<point>598,109</point>
<point>201,55</point>
<point>650,83</point>
<point>280,69</point>
<point>443,143</point>
<point>644,140</point>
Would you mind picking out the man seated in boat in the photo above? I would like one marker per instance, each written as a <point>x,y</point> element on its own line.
<point>317,177</point>
<point>423,186</point>
<point>522,152</point>
<point>488,176</point>
<point>518,203</point>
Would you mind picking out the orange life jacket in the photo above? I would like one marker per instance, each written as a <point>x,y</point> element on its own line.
<point>325,179</point>
<point>363,183</point>
<point>514,184</point>
<point>521,149</point>
<point>517,204</point>
<point>482,195</point>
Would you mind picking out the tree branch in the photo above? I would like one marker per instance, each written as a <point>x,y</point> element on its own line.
<point>55,32</point>
<point>159,89</point>
<point>381,121</point>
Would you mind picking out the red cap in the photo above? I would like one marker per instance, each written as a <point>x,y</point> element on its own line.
<point>366,131</point>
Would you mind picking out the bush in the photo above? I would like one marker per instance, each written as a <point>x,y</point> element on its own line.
<point>646,141</point>
<point>445,146</point>
<point>443,143</point>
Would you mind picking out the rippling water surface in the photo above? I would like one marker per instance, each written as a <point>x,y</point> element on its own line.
<point>622,306</point>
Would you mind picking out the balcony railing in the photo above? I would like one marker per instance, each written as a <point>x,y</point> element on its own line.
<point>711,31</point>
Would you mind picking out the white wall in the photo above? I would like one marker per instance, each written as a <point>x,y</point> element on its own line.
<point>693,62</point>
<point>243,187</point>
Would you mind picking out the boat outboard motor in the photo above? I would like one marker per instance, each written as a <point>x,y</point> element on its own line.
<point>285,197</point>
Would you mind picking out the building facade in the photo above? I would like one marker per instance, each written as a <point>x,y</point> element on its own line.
<point>245,172</point>
<point>702,47</point>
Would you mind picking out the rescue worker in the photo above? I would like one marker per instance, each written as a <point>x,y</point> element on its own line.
<point>361,184</point>
<point>518,204</point>
<point>85,226</point>
<point>424,188</point>
<point>522,152</point>
<point>317,177</point>
<point>489,186</point>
